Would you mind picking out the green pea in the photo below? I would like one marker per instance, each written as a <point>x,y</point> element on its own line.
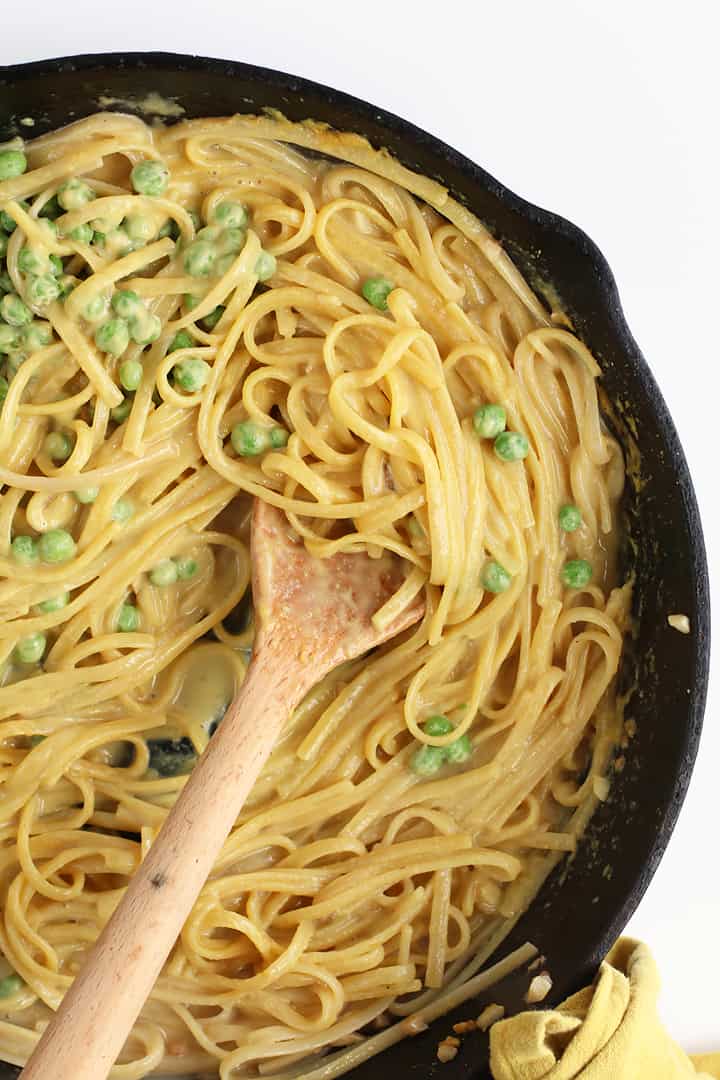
<point>113,337</point>
<point>9,337</point>
<point>56,264</point>
<point>489,421</point>
<point>210,321</point>
<point>376,291</point>
<point>8,223</point>
<point>128,619</point>
<point>10,985</point>
<point>278,437</point>
<point>123,510</point>
<point>265,266</point>
<point>82,234</point>
<point>3,245</point>
<point>54,603</point>
<point>98,237</point>
<point>106,224</point>
<point>231,215</point>
<point>233,240</point>
<point>169,228</point>
<point>191,374</point>
<point>186,567</point>
<point>12,163</point>
<point>49,227</point>
<point>150,178</point>
<point>58,445</point>
<point>43,290</point>
<point>495,577</point>
<point>119,413</point>
<point>223,264</point>
<point>96,309</point>
<point>127,304</point>
<point>67,283</point>
<point>164,573</point>
<point>249,439</point>
<point>140,228</point>
<point>30,649</point>
<point>33,260</point>
<point>145,328</point>
<point>6,284</point>
<point>576,573</point>
<point>37,335</point>
<point>87,494</point>
<point>437,725</point>
<point>117,243</point>
<point>511,446</point>
<point>24,550</point>
<point>4,387</point>
<point>190,301</point>
<point>131,373</point>
<point>74,194</point>
<point>427,760</point>
<point>211,233</point>
<point>459,750</point>
<point>199,258</point>
<point>51,209</point>
<point>182,340</point>
<point>569,518</point>
<point>14,311</point>
<point>56,545</point>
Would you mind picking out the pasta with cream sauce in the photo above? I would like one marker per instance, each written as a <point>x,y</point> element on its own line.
<point>199,314</point>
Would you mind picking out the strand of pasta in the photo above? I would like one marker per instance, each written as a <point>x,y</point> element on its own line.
<point>352,891</point>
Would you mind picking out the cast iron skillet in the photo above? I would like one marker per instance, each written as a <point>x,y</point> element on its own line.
<point>587,901</point>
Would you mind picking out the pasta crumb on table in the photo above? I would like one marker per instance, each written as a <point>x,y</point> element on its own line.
<point>198,315</point>
<point>540,987</point>
<point>489,1016</point>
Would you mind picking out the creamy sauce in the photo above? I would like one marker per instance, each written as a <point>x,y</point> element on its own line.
<point>153,104</point>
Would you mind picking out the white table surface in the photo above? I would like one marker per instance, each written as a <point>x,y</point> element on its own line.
<point>606,112</point>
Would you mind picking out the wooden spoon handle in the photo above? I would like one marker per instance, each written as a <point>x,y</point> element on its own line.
<point>89,1029</point>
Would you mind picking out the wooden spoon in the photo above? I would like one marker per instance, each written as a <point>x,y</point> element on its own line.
<point>311,615</point>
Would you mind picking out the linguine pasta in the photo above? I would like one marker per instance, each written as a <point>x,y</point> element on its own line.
<point>325,344</point>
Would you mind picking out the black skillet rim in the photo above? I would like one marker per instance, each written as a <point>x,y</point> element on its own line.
<point>381,127</point>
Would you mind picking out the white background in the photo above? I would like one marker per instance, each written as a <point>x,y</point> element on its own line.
<point>604,110</point>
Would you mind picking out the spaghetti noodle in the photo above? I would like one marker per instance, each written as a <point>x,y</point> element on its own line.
<point>220,309</point>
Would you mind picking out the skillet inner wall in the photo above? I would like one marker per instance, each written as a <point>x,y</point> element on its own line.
<point>585,902</point>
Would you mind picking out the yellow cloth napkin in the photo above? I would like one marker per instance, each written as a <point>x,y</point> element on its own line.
<point>608,1031</point>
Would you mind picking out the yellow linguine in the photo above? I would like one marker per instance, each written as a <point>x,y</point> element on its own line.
<point>364,883</point>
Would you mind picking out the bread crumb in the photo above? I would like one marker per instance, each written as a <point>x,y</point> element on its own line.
<point>464,1026</point>
<point>540,987</point>
<point>448,1048</point>
<point>446,1053</point>
<point>413,1025</point>
<point>601,787</point>
<point>489,1016</point>
<point>679,622</point>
